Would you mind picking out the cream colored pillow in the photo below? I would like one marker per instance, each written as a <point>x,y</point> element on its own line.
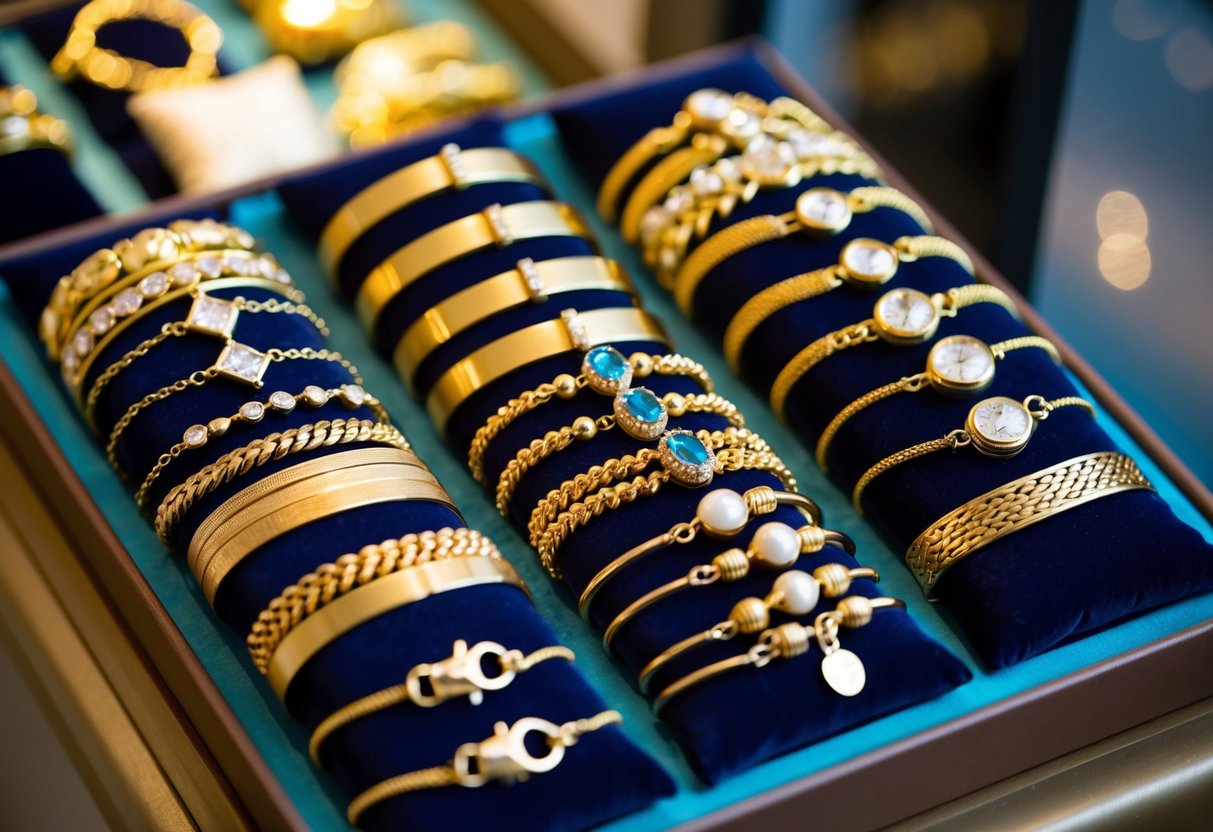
<point>236,128</point>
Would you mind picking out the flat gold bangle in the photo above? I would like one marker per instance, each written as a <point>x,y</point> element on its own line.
<point>496,225</point>
<point>530,282</point>
<point>704,149</point>
<point>383,595</point>
<point>571,331</point>
<point>1017,505</point>
<point>460,675</point>
<point>451,169</point>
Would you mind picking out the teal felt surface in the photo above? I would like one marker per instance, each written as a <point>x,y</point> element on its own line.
<point>282,744</point>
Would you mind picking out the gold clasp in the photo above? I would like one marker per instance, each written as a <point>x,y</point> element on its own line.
<point>505,757</point>
<point>460,675</point>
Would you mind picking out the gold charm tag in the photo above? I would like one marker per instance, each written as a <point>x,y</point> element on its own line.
<point>844,672</point>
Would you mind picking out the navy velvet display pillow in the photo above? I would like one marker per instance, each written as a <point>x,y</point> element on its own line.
<point>1019,595</point>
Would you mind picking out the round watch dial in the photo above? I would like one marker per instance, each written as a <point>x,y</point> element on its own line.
<point>960,364</point>
<point>905,316</point>
<point>823,210</point>
<point>868,263</point>
<point>1000,426</point>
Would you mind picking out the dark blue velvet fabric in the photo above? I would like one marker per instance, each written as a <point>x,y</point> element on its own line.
<point>1123,555</point>
<point>603,777</point>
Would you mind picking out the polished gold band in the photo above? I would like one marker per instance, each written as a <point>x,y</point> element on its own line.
<point>530,282</point>
<point>494,226</point>
<point>657,141</point>
<point>451,169</point>
<point>572,331</point>
<point>383,595</point>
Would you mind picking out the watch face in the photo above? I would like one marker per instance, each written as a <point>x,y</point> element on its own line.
<point>905,316</point>
<point>1000,426</point>
<point>868,263</point>
<point>960,364</point>
<point>823,210</point>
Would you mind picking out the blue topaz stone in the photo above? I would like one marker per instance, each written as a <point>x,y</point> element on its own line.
<point>689,460</point>
<point>606,370</point>
<point>640,413</point>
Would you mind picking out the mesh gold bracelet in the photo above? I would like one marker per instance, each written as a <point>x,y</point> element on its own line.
<point>959,365</point>
<point>819,212</point>
<point>1017,505</point>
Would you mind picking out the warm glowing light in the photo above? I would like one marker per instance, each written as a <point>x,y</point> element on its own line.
<point>1144,19</point>
<point>1189,58</point>
<point>1120,212</point>
<point>1124,261</point>
<point>307,14</point>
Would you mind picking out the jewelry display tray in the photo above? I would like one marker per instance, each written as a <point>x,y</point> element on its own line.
<point>997,725</point>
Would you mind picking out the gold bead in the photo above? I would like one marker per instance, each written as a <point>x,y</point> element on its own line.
<point>789,640</point>
<point>566,386</point>
<point>834,578</point>
<point>812,539</point>
<point>856,611</point>
<point>761,500</point>
<point>642,364</point>
<point>676,404</point>
<point>584,428</point>
<point>733,564</point>
<point>750,615</point>
<point>218,427</point>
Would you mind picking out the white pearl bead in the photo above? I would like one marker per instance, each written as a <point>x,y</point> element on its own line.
<point>799,592</point>
<point>776,544</point>
<point>723,512</point>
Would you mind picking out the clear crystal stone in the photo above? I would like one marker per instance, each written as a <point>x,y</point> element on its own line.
<point>315,395</point>
<point>101,320</point>
<point>709,104</point>
<point>353,395</point>
<point>126,302</point>
<point>576,328</point>
<point>654,222</point>
<point>71,361</point>
<point>184,274</point>
<point>209,266</point>
<point>83,342</point>
<point>213,315</point>
<point>242,362</point>
<point>501,231</point>
<point>238,264</point>
<point>706,182</point>
<point>530,274</point>
<point>195,436</point>
<point>767,158</point>
<point>454,163</point>
<point>252,411</point>
<point>679,200</point>
<point>154,285</point>
<point>282,401</point>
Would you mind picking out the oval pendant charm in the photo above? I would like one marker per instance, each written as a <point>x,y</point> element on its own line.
<point>843,671</point>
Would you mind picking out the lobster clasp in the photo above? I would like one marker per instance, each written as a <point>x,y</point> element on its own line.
<point>505,756</point>
<point>462,674</point>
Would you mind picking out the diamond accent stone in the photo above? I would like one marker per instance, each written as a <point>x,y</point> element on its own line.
<point>450,154</point>
<point>576,328</point>
<point>126,302</point>
<point>654,222</point>
<point>101,321</point>
<point>282,401</point>
<point>195,436</point>
<point>209,266</point>
<point>238,264</point>
<point>283,277</point>
<point>534,282</point>
<point>154,285</point>
<point>252,411</point>
<point>679,200</point>
<point>709,105</point>
<point>83,342</point>
<point>265,267</point>
<point>242,363</point>
<point>497,224</point>
<point>706,182</point>
<point>767,159</point>
<point>315,396</point>
<point>213,316</point>
<point>71,361</point>
<point>353,395</point>
<point>184,274</point>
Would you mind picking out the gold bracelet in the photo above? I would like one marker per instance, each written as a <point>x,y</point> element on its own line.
<point>580,514</point>
<point>236,361</point>
<point>504,757</point>
<point>902,317</point>
<point>547,339</point>
<point>233,464</point>
<point>81,57</point>
<point>996,427</point>
<point>603,370</point>
<point>774,546</point>
<point>721,514</point>
<point>841,669</point>
<point>795,592</point>
<point>495,226</point>
<point>332,580</point>
<point>959,365</point>
<point>451,169</point>
<point>688,459</point>
<point>461,675</point>
<point>388,593</point>
<point>819,212</point>
<point>207,316</point>
<point>529,282</point>
<point>25,127</point>
<point>863,264</point>
<point>375,486</point>
<point>1016,505</point>
<point>638,412</point>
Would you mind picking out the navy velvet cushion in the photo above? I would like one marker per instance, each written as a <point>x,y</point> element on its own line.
<point>1016,597</point>
<point>603,777</point>
<point>41,193</point>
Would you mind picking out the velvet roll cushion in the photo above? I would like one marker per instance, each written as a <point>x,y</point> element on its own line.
<point>1018,596</point>
<point>604,777</point>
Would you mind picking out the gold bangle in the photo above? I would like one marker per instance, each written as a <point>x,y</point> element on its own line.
<point>495,226</point>
<point>842,670</point>
<point>603,370</point>
<point>795,592</point>
<point>901,317</point>
<point>388,593</point>
<point>451,169</point>
<point>721,514</point>
<point>959,365</point>
<point>580,514</point>
<point>504,757</point>
<point>547,339</point>
<point>529,282</point>
<point>461,675</point>
<point>218,558</point>
<point>864,263</point>
<point>1016,505</point>
<point>819,212</point>
<point>688,459</point>
<point>207,316</point>
<point>332,580</point>
<point>996,427</point>
<point>26,128</point>
<point>585,428</point>
<point>81,57</point>
<point>180,498</point>
<point>775,546</point>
